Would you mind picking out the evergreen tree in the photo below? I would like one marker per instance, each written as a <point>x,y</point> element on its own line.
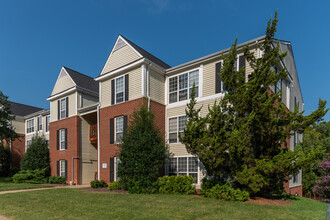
<point>6,129</point>
<point>316,139</point>
<point>37,155</point>
<point>142,152</point>
<point>243,135</point>
<point>5,160</point>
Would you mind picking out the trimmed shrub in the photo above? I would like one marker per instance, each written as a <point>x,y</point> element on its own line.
<point>57,180</point>
<point>116,185</point>
<point>176,185</point>
<point>31,176</point>
<point>224,192</point>
<point>98,184</point>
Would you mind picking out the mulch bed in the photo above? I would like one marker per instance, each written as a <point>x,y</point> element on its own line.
<point>104,190</point>
<point>268,201</point>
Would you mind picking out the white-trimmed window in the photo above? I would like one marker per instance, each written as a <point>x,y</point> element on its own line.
<point>63,108</point>
<point>39,123</point>
<point>47,122</point>
<point>62,168</point>
<point>180,86</point>
<point>30,126</point>
<point>184,166</point>
<point>28,143</point>
<point>62,139</point>
<point>176,127</point>
<point>117,162</point>
<point>119,128</point>
<point>120,89</point>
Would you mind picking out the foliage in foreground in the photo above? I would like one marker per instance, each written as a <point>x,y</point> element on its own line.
<point>322,186</point>
<point>317,139</point>
<point>223,192</point>
<point>242,137</point>
<point>31,176</point>
<point>176,185</point>
<point>116,185</point>
<point>98,184</point>
<point>37,155</point>
<point>56,180</point>
<point>142,153</point>
<point>5,160</point>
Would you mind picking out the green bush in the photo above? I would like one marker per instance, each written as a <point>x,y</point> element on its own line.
<point>37,155</point>
<point>116,185</point>
<point>176,185</point>
<point>14,170</point>
<point>224,192</point>
<point>98,184</point>
<point>57,180</point>
<point>31,176</point>
<point>141,187</point>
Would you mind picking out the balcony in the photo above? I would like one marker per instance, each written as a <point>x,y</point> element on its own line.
<point>93,134</point>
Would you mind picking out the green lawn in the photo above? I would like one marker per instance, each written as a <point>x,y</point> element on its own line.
<point>77,204</point>
<point>6,184</point>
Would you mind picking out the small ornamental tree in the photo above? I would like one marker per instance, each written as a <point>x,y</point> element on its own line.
<point>5,160</point>
<point>7,131</point>
<point>37,155</point>
<point>322,186</point>
<point>142,153</point>
<point>241,139</point>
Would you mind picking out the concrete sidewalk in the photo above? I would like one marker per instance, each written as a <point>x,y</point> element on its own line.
<point>36,189</point>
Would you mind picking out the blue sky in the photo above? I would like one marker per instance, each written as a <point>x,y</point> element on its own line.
<point>38,37</point>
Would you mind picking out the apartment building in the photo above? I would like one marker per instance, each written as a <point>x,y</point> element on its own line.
<point>29,121</point>
<point>89,116</point>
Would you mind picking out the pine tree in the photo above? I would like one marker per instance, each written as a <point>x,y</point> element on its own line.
<point>142,152</point>
<point>242,136</point>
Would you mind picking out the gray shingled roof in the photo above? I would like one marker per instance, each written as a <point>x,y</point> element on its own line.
<point>147,55</point>
<point>23,110</point>
<point>82,80</point>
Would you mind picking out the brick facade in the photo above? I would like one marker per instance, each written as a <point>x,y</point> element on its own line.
<point>73,128</point>
<point>17,150</point>
<point>108,150</point>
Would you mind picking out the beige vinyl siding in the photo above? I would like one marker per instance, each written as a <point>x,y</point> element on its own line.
<point>86,100</point>
<point>88,154</point>
<point>209,78</point>
<point>120,58</point>
<point>134,87</point>
<point>63,83</point>
<point>72,106</point>
<point>19,125</point>
<point>157,87</point>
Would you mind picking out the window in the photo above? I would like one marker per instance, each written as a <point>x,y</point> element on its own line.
<point>62,139</point>
<point>176,128</point>
<point>278,86</point>
<point>295,178</point>
<point>47,122</point>
<point>180,86</point>
<point>63,108</point>
<point>295,139</point>
<point>28,143</point>
<point>62,168</point>
<point>184,166</point>
<point>119,128</point>
<point>39,123</point>
<point>117,162</point>
<point>120,89</point>
<point>30,126</point>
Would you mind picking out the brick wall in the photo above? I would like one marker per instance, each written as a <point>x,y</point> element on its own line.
<point>17,150</point>
<point>108,150</point>
<point>73,128</point>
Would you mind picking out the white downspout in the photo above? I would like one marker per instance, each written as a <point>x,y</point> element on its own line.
<point>98,142</point>
<point>148,85</point>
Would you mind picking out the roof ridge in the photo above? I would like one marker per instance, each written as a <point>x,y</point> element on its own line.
<point>143,50</point>
<point>77,72</point>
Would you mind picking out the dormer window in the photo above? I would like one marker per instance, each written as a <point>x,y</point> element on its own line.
<point>119,89</point>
